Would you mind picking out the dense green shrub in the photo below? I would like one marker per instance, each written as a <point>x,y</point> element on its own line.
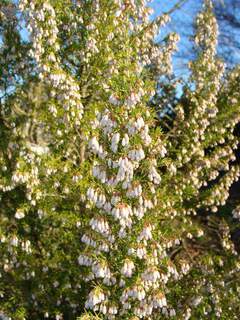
<point>105,215</point>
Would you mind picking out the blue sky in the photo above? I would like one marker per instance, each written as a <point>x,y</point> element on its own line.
<point>181,23</point>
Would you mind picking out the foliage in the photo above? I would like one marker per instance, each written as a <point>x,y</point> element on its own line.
<point>104,213</point>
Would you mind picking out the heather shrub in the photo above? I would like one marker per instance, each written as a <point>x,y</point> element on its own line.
<point>104,214</point>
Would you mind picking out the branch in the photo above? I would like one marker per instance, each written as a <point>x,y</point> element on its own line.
<point>177,6</point>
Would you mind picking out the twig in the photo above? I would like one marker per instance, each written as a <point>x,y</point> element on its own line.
<point>177,6</point>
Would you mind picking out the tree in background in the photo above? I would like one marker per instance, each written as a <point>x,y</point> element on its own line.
<point>228,16</point>
<point>102,208</point>
<point>227,13</point>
